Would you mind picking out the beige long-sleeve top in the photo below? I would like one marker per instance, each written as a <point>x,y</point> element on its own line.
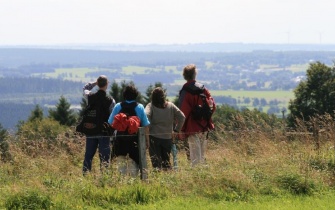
<point>164,120</point>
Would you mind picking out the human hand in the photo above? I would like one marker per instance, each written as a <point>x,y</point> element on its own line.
<point>181,136</point>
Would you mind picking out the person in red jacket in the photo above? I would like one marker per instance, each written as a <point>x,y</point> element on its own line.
<point>193,131</point>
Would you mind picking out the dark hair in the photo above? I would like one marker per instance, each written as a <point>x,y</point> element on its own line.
<point>158,97</point>
<point>130,93</point>
<point>102,81</point>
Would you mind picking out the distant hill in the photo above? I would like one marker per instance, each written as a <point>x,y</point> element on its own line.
<point>197,47</point>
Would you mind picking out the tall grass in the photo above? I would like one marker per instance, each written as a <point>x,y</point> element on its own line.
<point>245,167</point>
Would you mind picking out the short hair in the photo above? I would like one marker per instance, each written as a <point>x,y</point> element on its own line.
<point>102,81</point>
<point>190,72</point>
<point>158,97</point>
<point>130,93</point>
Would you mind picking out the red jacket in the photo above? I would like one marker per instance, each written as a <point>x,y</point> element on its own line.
<point>186,102</point>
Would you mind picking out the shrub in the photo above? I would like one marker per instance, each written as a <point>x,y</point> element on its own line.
<point>296,184</point>
<point>41,129</point>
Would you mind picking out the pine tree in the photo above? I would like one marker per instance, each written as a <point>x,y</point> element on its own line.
<point>4,146</point>
<point>63,114</point>
<point>147,97</point>
<point>115,92</point>
<point>36,114</point>
<point>83,105</point>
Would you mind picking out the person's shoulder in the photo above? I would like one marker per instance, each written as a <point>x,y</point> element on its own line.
<point>139,105</point>
<point>92,96</point>
<point>170,104</point>
<point>110,98</point>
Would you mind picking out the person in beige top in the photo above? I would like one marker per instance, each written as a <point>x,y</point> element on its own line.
<point>166,120</point>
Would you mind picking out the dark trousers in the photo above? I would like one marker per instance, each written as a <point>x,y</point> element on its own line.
<point>126,144</point>
<point>160,150</point>
<point>92,144</point>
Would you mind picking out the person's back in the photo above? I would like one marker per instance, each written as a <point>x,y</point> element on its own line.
<point>125,146</point>
<point>193,130</point>
<point>103,105</point>
<point>163,116</point>
<point>194,100</point>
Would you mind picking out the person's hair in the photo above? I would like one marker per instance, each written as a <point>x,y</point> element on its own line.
<point>102,81</point>
<point>158,97</point>
<point>190,72</point>
<point>130,93</point>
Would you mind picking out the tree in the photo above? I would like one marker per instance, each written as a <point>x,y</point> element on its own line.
<point>247,100</point>
<point>315,95</point>
<point>83,105</point>
<point>116,92</point>
<point>63,114</point>
<point>255,102</point>
<point>149,90</point>
<point>263,102</point>
<point>36,114</point>
<point>4,146</point>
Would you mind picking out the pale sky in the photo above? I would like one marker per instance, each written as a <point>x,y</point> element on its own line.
<point>44,22</point>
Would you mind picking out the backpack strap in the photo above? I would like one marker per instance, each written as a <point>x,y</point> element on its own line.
<point>128,108</point>
<point>197,88</point>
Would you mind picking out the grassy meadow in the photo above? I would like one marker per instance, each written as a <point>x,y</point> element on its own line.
<point>262,168</point>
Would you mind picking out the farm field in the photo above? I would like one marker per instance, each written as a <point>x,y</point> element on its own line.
<point>283,96</point>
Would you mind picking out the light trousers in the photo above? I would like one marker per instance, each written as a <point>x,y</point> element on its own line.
<point>127,166</point>
<point>197,145</point>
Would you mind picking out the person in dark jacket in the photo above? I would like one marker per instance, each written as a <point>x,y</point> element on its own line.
<point>193,131</point>
<point>104,104</point>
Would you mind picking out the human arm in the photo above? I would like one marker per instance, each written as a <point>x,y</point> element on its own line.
<point>179,118</point>
<point>116,110</point>
<point>147,110</point>
<point>185,103</point>
<point>141,113</point>
<point>111,107</point>
<point>87,89</point>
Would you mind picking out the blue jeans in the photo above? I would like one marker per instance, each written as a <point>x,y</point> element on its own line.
<point>92,144</point>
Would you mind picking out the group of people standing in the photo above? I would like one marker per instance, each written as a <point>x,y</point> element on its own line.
<point>163,122</point>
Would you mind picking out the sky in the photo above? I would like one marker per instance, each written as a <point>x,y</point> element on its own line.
<point>58,22</point>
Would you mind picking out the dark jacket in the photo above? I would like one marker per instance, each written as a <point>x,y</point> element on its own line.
<point>103,102</point>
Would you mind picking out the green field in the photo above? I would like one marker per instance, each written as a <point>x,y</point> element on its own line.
<point>283,96</point>
<point>74,74</point>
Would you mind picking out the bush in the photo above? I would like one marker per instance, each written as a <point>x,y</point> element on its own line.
<point>41,129</point>
<point>296,184</point>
